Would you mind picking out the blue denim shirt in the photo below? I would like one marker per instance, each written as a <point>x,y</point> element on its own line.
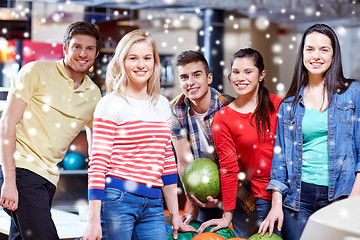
<point>343,140</point>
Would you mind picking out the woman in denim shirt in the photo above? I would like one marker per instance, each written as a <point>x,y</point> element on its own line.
<point>317,147</point>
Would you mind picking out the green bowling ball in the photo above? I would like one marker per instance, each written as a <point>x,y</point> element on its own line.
<point>225,232</point>
<point>186,235</point>
<point>257,236</point>
<point>182,235</point>
<point>201,178</point>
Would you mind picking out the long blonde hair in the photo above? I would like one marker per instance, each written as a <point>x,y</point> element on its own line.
<point>116,77</point>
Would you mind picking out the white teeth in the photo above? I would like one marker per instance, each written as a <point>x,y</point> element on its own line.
<point>192,89</point>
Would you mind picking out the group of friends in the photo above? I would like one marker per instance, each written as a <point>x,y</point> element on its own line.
<point>280,160</point>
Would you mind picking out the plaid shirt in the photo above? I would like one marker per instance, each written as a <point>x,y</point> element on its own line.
<point>183,125</point>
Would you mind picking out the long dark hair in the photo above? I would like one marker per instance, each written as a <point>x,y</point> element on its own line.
<point>334,79</point>
<point>265,107</point>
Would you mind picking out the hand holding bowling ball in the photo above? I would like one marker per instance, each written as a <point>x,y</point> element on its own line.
<point>201,178</point>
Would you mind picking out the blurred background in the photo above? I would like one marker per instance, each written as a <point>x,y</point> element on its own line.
<point>33,30</point>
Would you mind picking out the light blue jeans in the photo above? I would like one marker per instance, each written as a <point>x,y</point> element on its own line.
<point>125,216</point>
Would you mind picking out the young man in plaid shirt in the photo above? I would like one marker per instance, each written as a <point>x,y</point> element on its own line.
<point>192,113</point>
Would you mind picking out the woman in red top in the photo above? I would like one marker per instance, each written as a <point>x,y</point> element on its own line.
<point>244,134</point>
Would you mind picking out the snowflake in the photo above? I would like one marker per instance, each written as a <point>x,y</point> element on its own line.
<point>17,155</point>
<point>30,158</point>
<point>341,31</point>
<point>205,179</point>
<point>189,157</point>
<point>28,233</point>
<point>277,48</point>
<point>32,131</point>
<point>210,149</point>
<point>241,176</point>
<point>280,87</point>
<point>263,163</point>
<point>183,132</point>
<point>72,147</point>
<point>278,60</point>
<point>262,23</point>
<point>27,115</point>
<point>179,190</point>
<point>155,167</point>
<point>252,9</point>
<point>309,11</point>
<point>45,108</point>
<point>277,149</point>
<point>108,180</point>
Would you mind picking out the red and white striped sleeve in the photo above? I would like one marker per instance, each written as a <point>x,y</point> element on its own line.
<point>102,144</point>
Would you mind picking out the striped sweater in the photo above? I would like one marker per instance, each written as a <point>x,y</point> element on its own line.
<point>131,147</point>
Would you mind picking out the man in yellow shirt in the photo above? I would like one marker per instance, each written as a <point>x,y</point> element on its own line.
<point>47,106</point>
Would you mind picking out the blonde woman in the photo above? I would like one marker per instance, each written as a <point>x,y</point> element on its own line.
<point>131,162</point>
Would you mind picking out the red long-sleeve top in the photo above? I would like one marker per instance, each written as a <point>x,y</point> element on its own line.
<point>237,144</point>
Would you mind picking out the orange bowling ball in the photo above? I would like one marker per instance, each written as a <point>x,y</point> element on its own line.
<point>208,236</point>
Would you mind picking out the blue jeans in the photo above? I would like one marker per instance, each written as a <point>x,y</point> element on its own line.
<point>125,216</point>
<point>244,225</point>
<point>312,198</point>
<point>263,207</point>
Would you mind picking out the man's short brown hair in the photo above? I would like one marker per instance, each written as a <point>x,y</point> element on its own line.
<point>85,28</point>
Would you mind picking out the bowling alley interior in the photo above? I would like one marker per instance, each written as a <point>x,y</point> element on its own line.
<point>32,30</point>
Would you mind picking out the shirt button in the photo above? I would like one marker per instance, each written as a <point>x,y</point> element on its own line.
<point>330,115</point>
<point>299,144</point>
<point>299,159</point>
